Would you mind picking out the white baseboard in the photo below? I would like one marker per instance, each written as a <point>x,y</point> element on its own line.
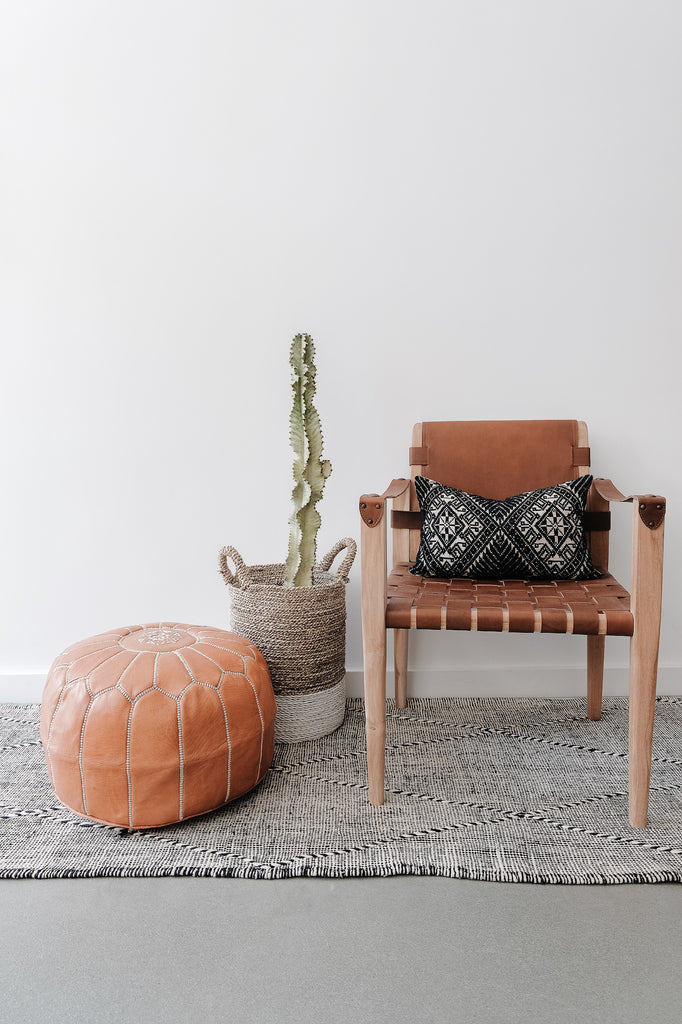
<point>22,687</point>
<point>472,681</point>
<point>516,681</point>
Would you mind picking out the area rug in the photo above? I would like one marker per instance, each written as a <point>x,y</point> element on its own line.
<point>499,789</point>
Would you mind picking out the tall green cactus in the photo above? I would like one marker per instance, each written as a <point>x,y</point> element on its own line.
<point>310,469</point>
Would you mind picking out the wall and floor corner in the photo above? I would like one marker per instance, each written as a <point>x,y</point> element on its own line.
<point>474,210</point>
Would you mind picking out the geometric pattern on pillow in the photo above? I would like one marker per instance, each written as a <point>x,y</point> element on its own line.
<point>535,535</point>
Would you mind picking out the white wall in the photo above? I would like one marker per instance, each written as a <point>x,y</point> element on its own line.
<point>474,208</point>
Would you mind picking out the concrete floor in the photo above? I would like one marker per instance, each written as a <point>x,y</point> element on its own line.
<point>357,950</point>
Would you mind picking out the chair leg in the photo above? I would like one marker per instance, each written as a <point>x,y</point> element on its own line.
<point>375,714</point>
<point>400,647</point>
<point>373,600</point>
<point>595,676</point>
<point>643,670</point>
<point>647,572</point>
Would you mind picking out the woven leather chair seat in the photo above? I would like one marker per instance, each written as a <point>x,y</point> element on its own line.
<point>589,607</point>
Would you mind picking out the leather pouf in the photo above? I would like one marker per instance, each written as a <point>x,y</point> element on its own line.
<point>149,725</point>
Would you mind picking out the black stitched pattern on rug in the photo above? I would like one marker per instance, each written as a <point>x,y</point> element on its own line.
<point>535,535</point>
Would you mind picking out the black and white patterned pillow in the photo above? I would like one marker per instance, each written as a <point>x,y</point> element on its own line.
<point>536,535</point>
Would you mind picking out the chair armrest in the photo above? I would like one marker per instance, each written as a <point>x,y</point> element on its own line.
<point>372,505</point>
<point>651,507</point>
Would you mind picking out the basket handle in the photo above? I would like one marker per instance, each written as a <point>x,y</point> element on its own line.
<point>344,569</point>
<point>240,577</point>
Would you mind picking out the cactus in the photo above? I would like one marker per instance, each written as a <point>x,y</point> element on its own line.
<point>310,469</point>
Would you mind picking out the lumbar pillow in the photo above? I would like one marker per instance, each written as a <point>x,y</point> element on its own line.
<point>536,535</point>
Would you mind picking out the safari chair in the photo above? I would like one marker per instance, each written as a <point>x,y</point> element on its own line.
<point>498,459</point>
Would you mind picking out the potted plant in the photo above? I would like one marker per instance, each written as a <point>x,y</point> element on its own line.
<point>295,612</point>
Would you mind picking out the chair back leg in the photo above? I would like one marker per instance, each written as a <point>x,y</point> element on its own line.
<point>595,676</point>
<point>400,648</point>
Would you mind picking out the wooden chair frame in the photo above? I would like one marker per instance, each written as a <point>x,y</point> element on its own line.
<point>645,606</point>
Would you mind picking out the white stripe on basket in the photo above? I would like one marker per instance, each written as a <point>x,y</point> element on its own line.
<point>307,716</point>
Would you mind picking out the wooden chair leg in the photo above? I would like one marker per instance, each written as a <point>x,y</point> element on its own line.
<point>647,573</point>
<point>373,547</point>
<point>643,665</point>
<point>400,647</point>
<point>595,676</point>
<point>375,716</point>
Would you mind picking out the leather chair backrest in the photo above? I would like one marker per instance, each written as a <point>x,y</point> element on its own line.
<point>499,458</point>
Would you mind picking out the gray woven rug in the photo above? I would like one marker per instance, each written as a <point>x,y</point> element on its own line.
<point>498,789</point>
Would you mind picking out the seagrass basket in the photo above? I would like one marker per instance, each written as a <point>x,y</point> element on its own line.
<point>301,631</point>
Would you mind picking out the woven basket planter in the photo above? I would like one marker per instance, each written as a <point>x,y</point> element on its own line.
<point>301,631</point>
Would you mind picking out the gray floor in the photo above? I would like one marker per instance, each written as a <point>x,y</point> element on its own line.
<point>358,950</point>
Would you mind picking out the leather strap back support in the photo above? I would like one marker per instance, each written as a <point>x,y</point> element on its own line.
<point>499,458</point>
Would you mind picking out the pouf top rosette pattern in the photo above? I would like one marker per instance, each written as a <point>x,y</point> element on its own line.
<point>152,724</point>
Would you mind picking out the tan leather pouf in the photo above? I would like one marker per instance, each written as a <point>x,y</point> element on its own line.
<point>149,725</point>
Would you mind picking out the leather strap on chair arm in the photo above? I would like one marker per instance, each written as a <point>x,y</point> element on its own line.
<point>651,507</point>
<point>372,505</point>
